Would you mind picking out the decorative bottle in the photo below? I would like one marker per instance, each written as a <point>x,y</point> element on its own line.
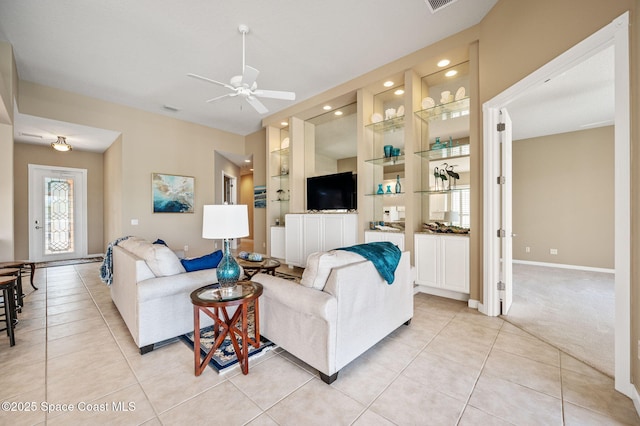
<point>380,190</point>
<point>398,187</point>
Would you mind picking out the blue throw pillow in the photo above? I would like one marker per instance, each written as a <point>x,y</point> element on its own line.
<point>208,261</point>
<point>159,241</point>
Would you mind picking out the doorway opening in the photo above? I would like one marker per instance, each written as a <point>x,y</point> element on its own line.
<point>615,34</point>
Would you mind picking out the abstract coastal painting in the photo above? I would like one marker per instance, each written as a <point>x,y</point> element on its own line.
<point>172,193</point>
<point>260,197</point>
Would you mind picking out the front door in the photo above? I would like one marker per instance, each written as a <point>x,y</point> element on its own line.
<point>57,213</point>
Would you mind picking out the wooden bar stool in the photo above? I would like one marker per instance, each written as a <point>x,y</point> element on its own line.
<point>17,273</point>
<point>7,284</point>
<point>23,265</point>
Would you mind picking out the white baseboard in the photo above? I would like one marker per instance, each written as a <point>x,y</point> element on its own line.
<point>473,304</point>
<point>564,266</point>
<point>440,292</point>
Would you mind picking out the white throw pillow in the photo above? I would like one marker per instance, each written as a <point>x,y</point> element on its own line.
<point>161,259</point>
<point>320,264</point>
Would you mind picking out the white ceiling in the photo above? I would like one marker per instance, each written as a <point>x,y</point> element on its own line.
<point>138,53</point>
<point>579,99</point>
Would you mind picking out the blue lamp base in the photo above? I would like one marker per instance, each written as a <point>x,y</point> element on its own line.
<point>228,271</point>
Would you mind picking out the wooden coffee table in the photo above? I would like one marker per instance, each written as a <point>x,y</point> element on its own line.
<point>213,303</point>
<point>267,265</point>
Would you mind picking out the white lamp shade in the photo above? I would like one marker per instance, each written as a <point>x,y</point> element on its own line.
<point>221,221</point>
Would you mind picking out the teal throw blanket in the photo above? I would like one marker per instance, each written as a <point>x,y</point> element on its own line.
<point>384,255</point>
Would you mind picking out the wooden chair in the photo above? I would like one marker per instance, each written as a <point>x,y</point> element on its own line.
<point>7,285</point>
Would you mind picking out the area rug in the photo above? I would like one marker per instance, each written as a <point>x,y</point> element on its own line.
<point>225,357</point>
<point>54,263</point>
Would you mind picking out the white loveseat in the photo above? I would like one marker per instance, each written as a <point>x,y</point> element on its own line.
<point>350,309</point>
<point>151,290</point>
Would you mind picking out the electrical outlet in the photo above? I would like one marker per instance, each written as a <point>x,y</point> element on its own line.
<point>527,249</point>
<point>215,245</point>
<point>186,248</point>
<point>638,349</point>
<point>553,251</point>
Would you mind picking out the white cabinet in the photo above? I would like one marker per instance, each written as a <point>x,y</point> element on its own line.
<point>309,233</point>
<point>277,242</point>
<point>396,238</point>
<point>442,265</point>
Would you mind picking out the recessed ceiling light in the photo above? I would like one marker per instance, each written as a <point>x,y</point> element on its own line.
<point>326,107</point>
<point>443,63</point>
<point>450,73</point>
<point>388,83</point>
<point>284,123</point>
<point>399,92</point>
<point>338,113</point>
<point>251,169</point>
<point>247,160</point>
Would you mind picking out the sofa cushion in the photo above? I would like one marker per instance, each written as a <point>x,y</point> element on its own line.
<point>320,264</point>
<point>161,259</point>
<point>208,261</point>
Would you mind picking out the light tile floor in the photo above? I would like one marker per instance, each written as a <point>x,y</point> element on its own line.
<point>450,366</point>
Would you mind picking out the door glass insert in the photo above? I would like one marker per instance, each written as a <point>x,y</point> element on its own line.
<point>58,216</point>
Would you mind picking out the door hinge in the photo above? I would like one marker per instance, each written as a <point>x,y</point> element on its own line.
<point>501,286</point>
<point>501,233</point>
<point>501,180</point>
<point>501,127</point>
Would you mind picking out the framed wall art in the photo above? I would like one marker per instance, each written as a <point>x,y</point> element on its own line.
<point>260,197</point>
<point>172,193</point>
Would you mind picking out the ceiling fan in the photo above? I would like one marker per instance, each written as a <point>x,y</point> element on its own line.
<point>245,85</point>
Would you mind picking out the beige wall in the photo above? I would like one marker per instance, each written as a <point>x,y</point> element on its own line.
<point>8,89</point>
<point>25,154</point>
<point>148,143</point>
<point>246,197</point>
<point>563,198</point>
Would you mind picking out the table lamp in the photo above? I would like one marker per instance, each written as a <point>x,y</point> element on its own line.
<point>226,221</point>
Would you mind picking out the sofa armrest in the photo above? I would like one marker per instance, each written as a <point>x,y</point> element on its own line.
<point>292,294</point>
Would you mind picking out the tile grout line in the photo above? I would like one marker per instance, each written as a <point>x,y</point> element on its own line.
<point>120,348</point>
<point>367,407</point>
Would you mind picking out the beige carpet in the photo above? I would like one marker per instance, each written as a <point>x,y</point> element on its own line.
<point>572,310</point>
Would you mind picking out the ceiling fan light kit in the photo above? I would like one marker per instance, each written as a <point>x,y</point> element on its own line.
<point>61,144</point>
<point>245,85</point>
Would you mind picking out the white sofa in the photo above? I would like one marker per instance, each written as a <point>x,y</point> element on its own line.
<point>344,315</point>
<point>151,291</point>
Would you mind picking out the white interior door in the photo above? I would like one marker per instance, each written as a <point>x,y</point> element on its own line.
<point>57,213</point>
<point>506,249</point>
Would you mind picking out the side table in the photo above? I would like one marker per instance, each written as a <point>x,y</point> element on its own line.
<point>267,265</point>
<point>212,302</point>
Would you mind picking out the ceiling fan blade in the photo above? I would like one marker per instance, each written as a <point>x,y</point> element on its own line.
<point>249,76</point>
<point>257,105</point>
<point>276,94</point>
<point>228,95</point>
<point>199,77</point>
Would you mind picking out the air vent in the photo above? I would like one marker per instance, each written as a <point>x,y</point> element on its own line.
<point>171,108</point>
<point>436,5</point>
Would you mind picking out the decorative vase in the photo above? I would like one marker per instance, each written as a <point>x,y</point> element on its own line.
<point>388,149</point>
<point>380,190</point>
<point>228,271</point>
<point>388,189</point>
<point>398,186</point>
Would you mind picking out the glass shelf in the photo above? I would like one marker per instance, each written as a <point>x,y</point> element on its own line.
<point>282,176</point>
<point>280,201</point>
<point>445,191</point>
<point>387,161</point>
<point>282,151</point>
<point>387,125</point>
<point>387,194</point>
<point>444,153</point>
<point>446,111</point>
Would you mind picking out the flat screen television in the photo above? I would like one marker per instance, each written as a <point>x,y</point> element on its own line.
<point>332,192</point>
